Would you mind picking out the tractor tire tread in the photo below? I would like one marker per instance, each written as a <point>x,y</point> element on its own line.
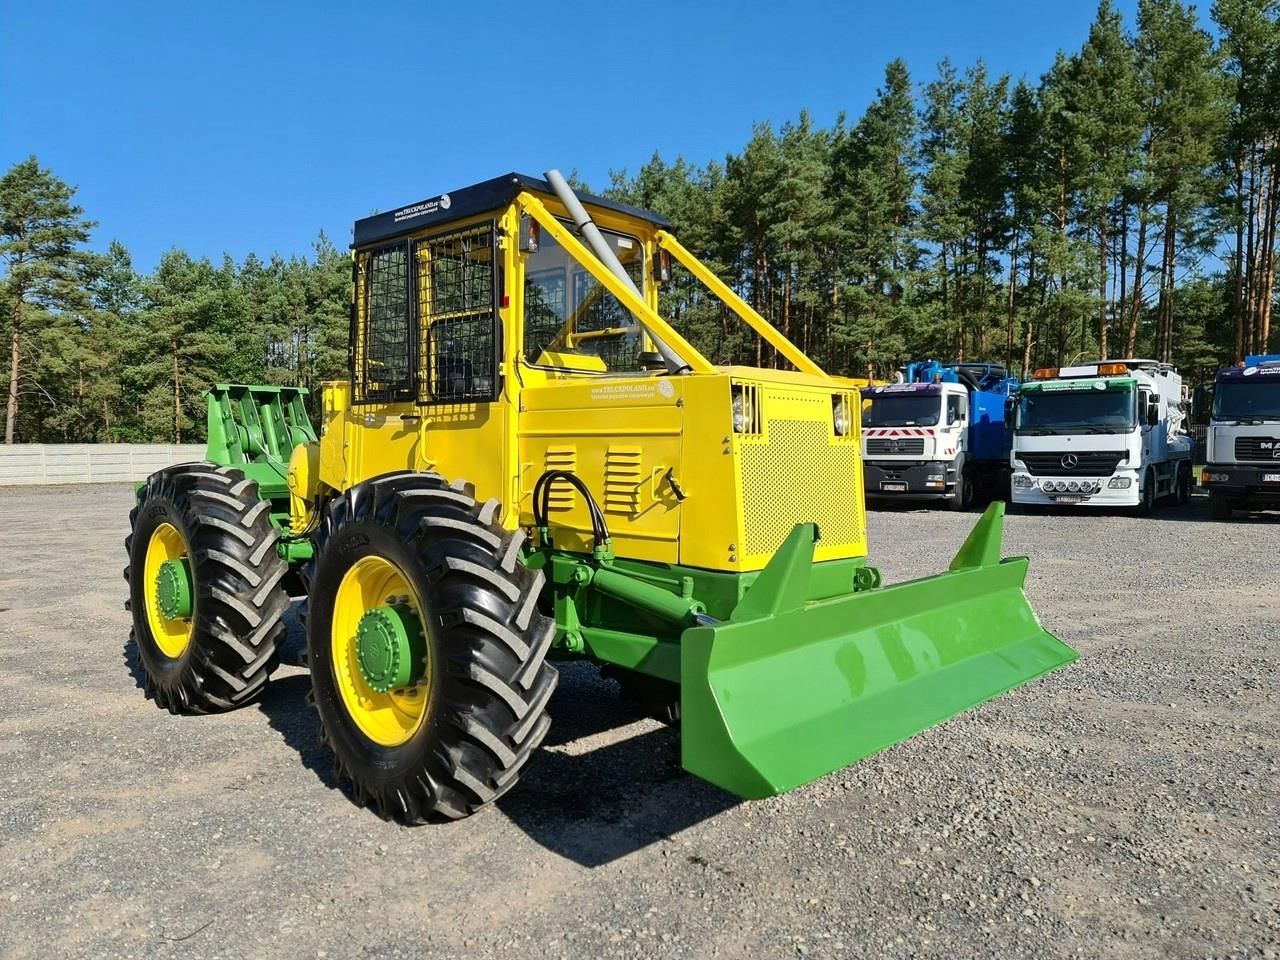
<point>239,605</point>
<point>493,680</point>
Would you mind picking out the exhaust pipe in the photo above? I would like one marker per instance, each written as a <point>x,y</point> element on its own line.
<point>604,253</point>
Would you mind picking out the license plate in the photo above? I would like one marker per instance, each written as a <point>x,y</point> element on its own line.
<point>1271,478</point>
<point>893,487</point>
<point>1068,499</point>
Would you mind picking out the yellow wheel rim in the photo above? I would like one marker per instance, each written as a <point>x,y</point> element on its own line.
<point>171,636</point>
<point>392,718</point>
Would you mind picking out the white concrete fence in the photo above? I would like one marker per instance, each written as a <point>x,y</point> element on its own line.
<point>32,463</point>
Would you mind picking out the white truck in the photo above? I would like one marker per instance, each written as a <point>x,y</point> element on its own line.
<point>1111,433</point>
<point>1243,450</point>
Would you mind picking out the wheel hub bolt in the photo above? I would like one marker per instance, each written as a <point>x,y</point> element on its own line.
<point>390,649</point>
<point>173,589</point>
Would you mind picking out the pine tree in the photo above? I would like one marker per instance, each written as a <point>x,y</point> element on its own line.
<point>1187,110</point>
<point>1251,44</point>
<point>1105,119</point>
<point>46,269</point>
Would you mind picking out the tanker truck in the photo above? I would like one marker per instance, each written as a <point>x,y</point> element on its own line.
<point>939,434</point>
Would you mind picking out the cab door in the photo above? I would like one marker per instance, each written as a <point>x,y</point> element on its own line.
<point>464,425</point>
<point>378,419</point>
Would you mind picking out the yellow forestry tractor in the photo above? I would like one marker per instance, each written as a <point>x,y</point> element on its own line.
<point>528,464</point>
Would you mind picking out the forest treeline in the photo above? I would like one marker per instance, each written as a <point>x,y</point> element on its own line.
<point>1125,203</point>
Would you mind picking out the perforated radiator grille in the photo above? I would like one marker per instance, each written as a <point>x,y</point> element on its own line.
<point>800,476</point>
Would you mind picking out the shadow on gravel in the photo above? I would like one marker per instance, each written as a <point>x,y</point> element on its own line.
<point>596,807</point>
<point>284,703</point>
<point>592,807</point>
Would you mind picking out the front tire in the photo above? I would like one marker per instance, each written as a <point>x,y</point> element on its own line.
<point>964,491</point>
<point>455,735</point>
<point>1147,495</point>
<point>216,648</point>
<point>1220,507</point>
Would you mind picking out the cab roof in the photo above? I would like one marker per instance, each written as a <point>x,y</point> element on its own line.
<point>457,204</point>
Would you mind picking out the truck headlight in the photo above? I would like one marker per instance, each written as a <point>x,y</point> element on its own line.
<point>1119,483</point>
<point>840,418</point>
<point>1073,485</point>
<point>742,412</point>
<point>1022,481</point>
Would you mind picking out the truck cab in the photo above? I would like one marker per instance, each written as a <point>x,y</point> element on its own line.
<point>938,435</point>
<point>1110,433</point>
<point>1243,443</point>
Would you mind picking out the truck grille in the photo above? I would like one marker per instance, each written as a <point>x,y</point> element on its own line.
<point>1092,464</point>
<point>907,446</point>
<point>1257,448</point>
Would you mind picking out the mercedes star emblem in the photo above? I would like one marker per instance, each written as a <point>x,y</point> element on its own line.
<point>1069,461</point>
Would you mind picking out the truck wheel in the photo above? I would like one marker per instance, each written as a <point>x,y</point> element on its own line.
<point>204,588</point>
<point>1147,495</point>
<point>1184,484</point>
<point>1220,507</point>
<point>963,493</point>
<point>427,651</point>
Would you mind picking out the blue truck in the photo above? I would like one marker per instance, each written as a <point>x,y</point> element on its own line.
<point>939,434</point>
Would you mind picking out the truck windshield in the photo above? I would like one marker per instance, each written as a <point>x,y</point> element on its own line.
<point>901,410</point>
<point>1242,400</point>
<point>1077,411</point>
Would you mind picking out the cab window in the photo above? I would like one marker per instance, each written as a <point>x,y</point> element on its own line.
<point>570,321</point>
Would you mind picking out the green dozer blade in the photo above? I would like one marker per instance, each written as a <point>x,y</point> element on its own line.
<point>786,690</point>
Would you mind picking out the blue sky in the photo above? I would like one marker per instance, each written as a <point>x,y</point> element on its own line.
<point>234,127</point>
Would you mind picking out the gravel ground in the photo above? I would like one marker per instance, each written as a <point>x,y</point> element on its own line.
<point>1125,806</point>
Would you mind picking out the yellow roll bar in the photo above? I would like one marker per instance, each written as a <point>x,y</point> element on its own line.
<point>644,313</point>
<point>759,324</point>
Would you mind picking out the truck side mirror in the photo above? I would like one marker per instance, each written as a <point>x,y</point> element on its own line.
<point>1153,413</point>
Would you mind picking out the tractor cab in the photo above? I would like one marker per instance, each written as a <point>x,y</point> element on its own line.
<point>516,316</point>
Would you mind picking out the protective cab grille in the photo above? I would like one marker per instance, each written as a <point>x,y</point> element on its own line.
<point>907,446</point>
<point>1258,448</point>
<point>798,473</point>
<point>1090,464</point>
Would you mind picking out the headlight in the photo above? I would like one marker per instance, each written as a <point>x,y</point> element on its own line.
<point>840,417</point>
<point>1119,483</point>
<point>1073,486</point>
<point>1021,480</point>
<point>742,412</point>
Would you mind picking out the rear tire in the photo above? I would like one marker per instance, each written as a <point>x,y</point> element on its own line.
<point>1220,507</point>
<point>238,606</point>
<point>487,682</point>
<point>1183,485</point>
